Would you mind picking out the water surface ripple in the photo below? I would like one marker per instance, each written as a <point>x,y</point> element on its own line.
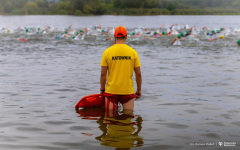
<point>190,92</point>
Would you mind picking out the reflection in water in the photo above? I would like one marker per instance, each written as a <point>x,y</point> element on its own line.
<point>120,130</point>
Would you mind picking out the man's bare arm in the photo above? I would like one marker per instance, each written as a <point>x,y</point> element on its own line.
<point>103,77</point>
<point>139,82</point>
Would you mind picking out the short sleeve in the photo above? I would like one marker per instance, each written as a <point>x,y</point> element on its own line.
<point>104,60</point>
<point>136,61</point>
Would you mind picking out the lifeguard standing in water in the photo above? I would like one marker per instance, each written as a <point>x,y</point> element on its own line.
<point>118,62</point>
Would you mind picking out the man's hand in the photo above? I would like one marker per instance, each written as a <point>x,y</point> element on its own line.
<point>138,94</point>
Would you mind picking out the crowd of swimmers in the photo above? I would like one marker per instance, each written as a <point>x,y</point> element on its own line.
<point>178,33</point>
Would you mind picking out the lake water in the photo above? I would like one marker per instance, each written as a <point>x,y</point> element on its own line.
<point>190,93</point>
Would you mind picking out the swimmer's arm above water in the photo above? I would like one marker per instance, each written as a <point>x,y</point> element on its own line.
<point>158,30</point>
<point>174,41</point>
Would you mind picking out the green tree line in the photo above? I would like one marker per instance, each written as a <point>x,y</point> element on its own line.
<point>120,7</point>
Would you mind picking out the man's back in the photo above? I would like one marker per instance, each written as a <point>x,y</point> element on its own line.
<point>121,61</point>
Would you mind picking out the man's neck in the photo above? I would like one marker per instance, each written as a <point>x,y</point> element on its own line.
<point>120,41</point>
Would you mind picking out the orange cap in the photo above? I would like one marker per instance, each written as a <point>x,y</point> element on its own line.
<point>120,31</point>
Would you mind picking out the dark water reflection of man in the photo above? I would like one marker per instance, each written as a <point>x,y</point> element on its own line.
<point>120,129</point>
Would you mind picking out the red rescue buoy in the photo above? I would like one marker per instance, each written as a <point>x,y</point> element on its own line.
<point>91,101</point>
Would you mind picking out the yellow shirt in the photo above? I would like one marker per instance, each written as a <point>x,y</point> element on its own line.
<point>121,61</point>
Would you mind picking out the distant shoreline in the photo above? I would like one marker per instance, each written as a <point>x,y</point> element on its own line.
<point>136,12</point>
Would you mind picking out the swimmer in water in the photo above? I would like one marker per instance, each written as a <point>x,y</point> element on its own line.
<point>46,30</point>
<point>76,36</point>
<point>38,30</point>
<point>173,26</point>
<point>146,31</point>
<point>132,36</point>
<point>186,26</point>
<point>69,29</point>
<point>9,31</point>
<point>61,36</point>
<point>222,29</point>
<point>205,28</point>
<point>164,33</point>
<point>159,29</point>
<point>105,32</point>
<point>106,39</point>
<point>169,33</point>
<point>156,34</point>
<point>98,27</point>
<point>21,28</point>
<point>189,32</point>
<point>85,30</point>
<point>5,30</point>
<point>177,39</point>
<point>186,34</point>
<point>150,37</point>
<point>108,30</point>
<point>213,32</point>
<point>182,36</point>
<point>81,32</point>
<point>26,31</point>
<point>64,35</point>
